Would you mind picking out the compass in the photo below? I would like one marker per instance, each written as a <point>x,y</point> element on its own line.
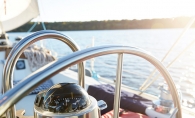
<point>64,98</point>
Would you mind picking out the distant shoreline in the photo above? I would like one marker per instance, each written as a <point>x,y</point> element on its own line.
<point>103,30</point>
<point>165,23</point>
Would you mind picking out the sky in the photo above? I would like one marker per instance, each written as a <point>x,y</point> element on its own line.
<point>87,10</point>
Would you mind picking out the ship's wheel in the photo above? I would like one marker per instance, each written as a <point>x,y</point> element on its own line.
<point>23,88</point>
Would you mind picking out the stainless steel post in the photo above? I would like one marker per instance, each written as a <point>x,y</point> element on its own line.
<point>117,95</point>
<point>23,44</point>
<point>29,83</point>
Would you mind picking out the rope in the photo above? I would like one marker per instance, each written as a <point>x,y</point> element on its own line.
<point>38,57</point>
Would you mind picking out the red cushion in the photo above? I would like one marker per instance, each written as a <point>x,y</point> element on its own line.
<point>125,114</point>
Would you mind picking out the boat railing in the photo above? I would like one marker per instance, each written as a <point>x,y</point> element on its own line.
<point>23,88</point>
<point>23,44</point>
<point>143,88</point>
<point>149,81</point>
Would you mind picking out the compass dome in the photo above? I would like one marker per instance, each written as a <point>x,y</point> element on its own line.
<point>65,98</point>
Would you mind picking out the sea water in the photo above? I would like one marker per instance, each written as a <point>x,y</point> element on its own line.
<point>135,69</point>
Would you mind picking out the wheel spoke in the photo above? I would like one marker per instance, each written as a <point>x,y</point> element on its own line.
<point>117,95</point>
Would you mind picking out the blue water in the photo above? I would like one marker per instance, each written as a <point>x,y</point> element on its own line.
<point>136,70</point>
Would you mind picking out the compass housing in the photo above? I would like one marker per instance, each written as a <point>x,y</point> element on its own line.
<point>65,100</point>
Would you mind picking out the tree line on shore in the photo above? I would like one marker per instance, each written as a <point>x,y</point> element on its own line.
<point>178,22</point>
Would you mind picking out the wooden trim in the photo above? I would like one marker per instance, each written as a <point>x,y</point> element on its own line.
<point>7,51</point>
